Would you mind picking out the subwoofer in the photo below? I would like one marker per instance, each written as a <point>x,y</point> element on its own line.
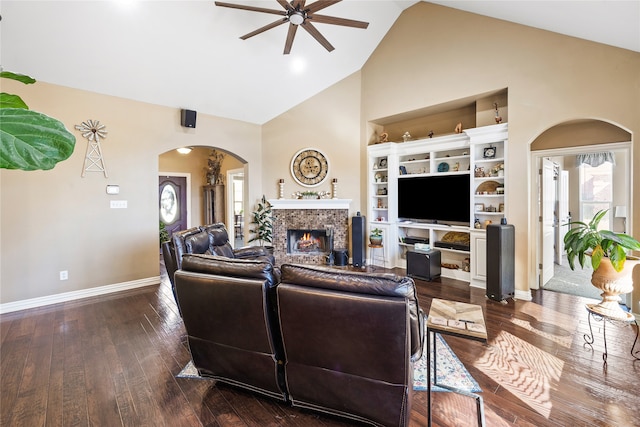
<point>188,118</point>
<point>500,262</point>
<point>357,240</point>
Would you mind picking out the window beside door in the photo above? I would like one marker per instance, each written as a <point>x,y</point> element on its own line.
<point>596,192</point>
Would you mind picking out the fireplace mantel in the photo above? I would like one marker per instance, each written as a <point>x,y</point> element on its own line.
<point>309,203</point>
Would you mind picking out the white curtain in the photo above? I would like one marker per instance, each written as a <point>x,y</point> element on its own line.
<point>596,159</point>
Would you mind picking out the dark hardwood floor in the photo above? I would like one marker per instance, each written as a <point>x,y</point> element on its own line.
<point>112,360</point>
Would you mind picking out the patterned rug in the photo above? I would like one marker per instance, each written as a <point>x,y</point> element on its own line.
<point>451,371</point>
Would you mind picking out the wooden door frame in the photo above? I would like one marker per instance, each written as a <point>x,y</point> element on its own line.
<point>188,190</point>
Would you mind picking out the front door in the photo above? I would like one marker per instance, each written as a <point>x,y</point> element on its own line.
<point>173,202</point>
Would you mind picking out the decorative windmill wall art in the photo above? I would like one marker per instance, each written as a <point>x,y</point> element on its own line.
<point>93,161</point>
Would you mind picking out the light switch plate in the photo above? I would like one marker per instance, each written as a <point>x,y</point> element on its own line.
<point>118,204</point>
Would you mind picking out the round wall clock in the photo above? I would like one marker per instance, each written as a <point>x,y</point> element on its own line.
<point>309,167</point>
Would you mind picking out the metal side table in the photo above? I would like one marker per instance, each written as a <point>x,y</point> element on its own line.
<point>629,319</point>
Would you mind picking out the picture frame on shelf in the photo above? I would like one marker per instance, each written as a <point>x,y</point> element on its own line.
<point>382,163</point>
<point>478,207</point>
<point>501,207</point>
<point>403,170</point>
<point>489,152</point>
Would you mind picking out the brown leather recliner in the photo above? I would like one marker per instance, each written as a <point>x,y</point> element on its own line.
<point>207,239</point>
<point>230,314</point>
<point>350,340</point>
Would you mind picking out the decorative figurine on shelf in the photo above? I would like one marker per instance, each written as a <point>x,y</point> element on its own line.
<point>406,136</point>
<point>384,137</point>
<point>458,128</point>
<point>498,117</point>
<point>431,134</point>
<point>456,167</point>
<point>477,224</point>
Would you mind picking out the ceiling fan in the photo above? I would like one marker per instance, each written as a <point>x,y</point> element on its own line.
<point>299,15</point>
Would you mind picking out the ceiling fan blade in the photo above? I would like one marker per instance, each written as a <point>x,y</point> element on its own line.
<point>323,19</point>
<point>265,28</point>
<point>298,4</point>
<point>251,8</point>
<point>319,5</point>
<point>285,4</point>
<point>308,26</point>
<point>290,35</point>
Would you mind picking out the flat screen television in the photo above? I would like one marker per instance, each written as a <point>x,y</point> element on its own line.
<point>436,198</point>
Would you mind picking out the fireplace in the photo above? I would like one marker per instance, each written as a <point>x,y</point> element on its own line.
<point>306,241</point>
<point>324,220</point>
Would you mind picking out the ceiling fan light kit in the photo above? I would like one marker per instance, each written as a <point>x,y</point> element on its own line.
<point>296,13</point>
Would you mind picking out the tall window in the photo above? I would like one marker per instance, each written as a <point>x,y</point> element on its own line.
<point>596,192</point>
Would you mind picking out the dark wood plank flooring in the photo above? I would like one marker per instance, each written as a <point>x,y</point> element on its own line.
<point>112,360</point>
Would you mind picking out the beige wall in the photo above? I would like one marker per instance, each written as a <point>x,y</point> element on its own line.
<point>56,220</point>
<point>330,122</point>
<point>432,55</point>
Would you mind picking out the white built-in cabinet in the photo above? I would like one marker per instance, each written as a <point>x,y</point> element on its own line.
<point>479,152</point>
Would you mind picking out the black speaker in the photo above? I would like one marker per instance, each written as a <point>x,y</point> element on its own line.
<point>500,261</point>
<point>357,240</point>
<point>188,118</point>
<point>424,265</point>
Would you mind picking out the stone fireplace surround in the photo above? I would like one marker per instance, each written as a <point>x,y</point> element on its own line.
<point>312,215</point>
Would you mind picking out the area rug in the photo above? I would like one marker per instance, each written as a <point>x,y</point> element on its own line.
<point>190,371</point>
<point>451,372</point>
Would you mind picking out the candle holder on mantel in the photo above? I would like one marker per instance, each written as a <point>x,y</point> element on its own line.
<point>281,186</point>
<point>334,193</point>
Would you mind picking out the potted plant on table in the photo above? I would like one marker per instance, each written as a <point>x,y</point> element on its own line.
<point>612,267</point>
<point>375,237</point>
<point>262,223</point>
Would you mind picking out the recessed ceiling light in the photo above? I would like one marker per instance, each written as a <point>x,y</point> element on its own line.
<point>298,65</point>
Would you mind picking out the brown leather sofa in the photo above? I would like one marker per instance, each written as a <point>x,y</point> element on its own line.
<point>325,339</point>
<point>210,239</point>
<point>350,340</point>
<point>229,310</point>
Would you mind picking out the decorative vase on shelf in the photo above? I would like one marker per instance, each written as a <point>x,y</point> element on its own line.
<point>613,284</point>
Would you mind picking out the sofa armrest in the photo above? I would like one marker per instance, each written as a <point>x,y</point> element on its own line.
<point>251,252</point>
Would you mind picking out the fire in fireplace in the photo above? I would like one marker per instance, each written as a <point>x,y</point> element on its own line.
<point>307,241</point>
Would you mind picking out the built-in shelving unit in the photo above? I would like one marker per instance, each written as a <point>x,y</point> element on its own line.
<point>478,152</point>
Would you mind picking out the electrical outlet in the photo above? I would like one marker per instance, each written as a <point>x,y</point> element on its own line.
<point>64,275</point>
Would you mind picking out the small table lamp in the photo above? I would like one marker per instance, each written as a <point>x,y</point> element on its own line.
<point>621,212</point>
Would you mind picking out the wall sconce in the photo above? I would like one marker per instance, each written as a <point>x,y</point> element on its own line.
<point>183,150</point>
<point>621,212</point>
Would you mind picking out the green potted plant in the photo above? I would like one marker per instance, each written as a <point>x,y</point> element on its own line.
<point>375,237</point>
<point>262,223</point>
<point>164,234</point>
<point>612,266</point>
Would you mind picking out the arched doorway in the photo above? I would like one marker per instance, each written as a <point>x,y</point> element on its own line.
<point>558,147</point>
<point>195,165</point>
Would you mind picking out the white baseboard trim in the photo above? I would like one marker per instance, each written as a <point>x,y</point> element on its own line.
<point>75,295</point>
<point>523,295</point>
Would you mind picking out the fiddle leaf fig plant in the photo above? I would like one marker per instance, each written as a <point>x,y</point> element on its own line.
<point>30,140</point>
<point>586,240</point>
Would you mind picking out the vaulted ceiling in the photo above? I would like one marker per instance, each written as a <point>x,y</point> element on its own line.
<point>188,54</point>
